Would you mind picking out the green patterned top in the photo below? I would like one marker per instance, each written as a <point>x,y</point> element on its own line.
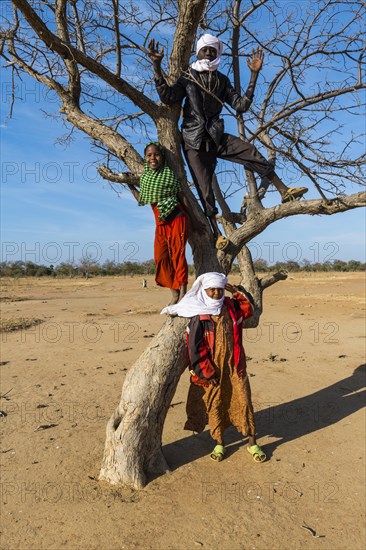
<point>161,187</point>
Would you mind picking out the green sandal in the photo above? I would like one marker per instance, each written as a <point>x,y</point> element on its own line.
<point>218,453</point>
<point>257,453</point>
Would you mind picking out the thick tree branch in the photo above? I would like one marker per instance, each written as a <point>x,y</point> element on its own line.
<point>71,65</point>
<point>272,278</point>
<point>189,15</point>
<point>106,135</point>
<point>123,178</point>
<point>257,222</point>
<point>68,51</point>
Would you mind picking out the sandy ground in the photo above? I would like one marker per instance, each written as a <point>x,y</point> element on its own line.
<point>307,374</point>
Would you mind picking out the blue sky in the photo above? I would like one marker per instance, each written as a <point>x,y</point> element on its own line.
<point>55,207</point>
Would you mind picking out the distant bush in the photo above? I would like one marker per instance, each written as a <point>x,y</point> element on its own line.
<point>88,268</point>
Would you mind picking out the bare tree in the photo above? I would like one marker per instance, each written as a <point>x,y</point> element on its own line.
<point>93,56</point>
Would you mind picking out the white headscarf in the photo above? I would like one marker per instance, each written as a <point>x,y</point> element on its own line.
<point>196,301</point>
<point>204,64</point>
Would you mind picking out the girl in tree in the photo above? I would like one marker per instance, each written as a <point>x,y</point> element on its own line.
<point>160,188</point>
<point>219,394</point>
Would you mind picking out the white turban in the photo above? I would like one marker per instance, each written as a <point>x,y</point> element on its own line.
<point>197,301</point>
<point>212,280</point>
<point>209,40</point>
<point>204,64</point>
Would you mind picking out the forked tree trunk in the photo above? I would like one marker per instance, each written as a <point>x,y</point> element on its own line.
<point>134,432</point>
<point>133,449</point>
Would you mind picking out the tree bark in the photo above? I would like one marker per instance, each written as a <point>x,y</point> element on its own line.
<point>134,432</point>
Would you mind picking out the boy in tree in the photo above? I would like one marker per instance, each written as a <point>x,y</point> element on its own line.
<point>204,140</point>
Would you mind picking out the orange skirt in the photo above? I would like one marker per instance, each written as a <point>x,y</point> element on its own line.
<point>169,250</point>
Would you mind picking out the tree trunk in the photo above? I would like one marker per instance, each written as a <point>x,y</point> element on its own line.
<point>134,432</point>
<point>252,285</point>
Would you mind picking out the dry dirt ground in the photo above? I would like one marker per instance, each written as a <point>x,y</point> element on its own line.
<point>306,365</point>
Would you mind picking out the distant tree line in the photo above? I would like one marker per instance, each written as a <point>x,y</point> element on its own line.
<point>306,265</point>
<point>88,268</point>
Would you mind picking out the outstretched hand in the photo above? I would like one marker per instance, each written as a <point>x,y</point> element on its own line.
<point>155,55</point>
<point>256,61</point>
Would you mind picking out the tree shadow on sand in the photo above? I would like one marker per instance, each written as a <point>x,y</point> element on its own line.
<point>283,421</point>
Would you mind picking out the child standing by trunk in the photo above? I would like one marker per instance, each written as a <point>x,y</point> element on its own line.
<point>219,394</point>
